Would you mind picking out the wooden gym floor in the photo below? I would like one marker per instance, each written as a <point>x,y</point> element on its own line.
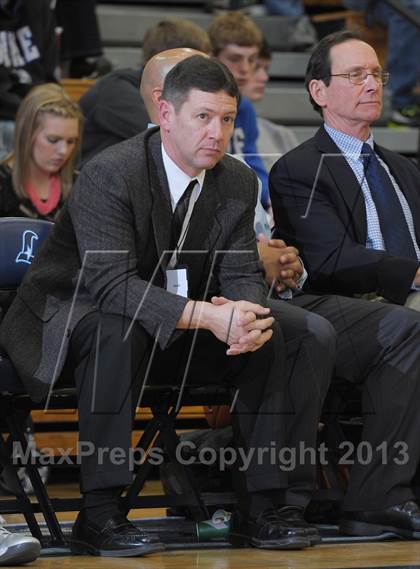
<point>391,554</point>
<point>375,555</point>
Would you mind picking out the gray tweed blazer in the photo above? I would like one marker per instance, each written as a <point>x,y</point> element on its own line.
<point>107,252</point>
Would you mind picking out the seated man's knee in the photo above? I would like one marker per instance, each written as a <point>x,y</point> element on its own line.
<point>400,325</point>
<point>322,333</point>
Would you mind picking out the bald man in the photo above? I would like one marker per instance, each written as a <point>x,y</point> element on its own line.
<point>154,74</point>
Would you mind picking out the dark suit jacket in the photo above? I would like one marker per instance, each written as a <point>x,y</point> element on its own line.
<point>107,252</point>
<point>113,111</point>
<point>319,207</point>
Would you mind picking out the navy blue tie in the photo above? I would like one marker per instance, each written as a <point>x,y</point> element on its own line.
<point>392,220</point>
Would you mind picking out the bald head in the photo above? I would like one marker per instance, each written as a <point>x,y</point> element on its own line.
<point>154,75</point>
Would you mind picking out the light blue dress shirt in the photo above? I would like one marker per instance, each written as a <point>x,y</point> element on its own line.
<point>351,148</point>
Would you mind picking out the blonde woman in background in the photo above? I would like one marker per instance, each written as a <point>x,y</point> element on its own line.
<point>36,177</point>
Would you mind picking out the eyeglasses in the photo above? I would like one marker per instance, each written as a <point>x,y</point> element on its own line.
<point>359,76</point>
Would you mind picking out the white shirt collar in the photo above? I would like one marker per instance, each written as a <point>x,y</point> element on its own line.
<point>178,180</point>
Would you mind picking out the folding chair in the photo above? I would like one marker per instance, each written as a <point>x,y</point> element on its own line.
<point>161,431</point>
<point>20,238</point>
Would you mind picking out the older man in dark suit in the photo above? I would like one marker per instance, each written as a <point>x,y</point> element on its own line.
<point>351,207</point>
<point>353,210</point>
<point>104,295</point>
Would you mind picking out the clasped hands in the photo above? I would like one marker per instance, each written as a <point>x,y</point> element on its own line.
<point>282,265</point>
<point>243,325</point>
<point>251,324</point>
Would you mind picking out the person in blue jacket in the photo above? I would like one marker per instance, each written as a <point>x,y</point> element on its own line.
<point>236,42</point>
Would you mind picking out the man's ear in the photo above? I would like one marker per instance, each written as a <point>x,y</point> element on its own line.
<point>156,94</point>
<point>166,112</point>
<point>318,91</point>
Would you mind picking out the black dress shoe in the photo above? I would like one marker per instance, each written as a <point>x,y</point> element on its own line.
<point>294,515</point>
<point>117,538</point>
<point>402,520</point>
<point>268,531</point>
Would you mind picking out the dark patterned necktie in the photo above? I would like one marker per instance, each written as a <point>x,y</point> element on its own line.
<point>394,228</point>
<point>180,213</point>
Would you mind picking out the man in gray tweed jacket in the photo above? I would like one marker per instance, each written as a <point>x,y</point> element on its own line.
<point>99,300</point>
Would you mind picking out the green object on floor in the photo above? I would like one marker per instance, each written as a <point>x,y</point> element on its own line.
<point>216,528</point>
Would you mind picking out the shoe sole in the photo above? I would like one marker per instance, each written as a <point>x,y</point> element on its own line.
<point>20,553</point>
<point>350,527</point>
<point>239,540</point>
<point>83,548</point>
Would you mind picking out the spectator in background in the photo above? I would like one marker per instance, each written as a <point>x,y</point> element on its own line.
<point>403,56</point>
<point>28,56</point>
<point>37,177</point>
<point>173,33</point>
<point>291,8</point>
<point>80,42</point>
<point>113,109</point>
<point>255,88</point>
<point>236,42</point>
<point>403,62</point>
<point>274,140</point>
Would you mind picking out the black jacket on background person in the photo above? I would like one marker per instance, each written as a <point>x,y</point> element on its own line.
<point>28,51</point>
<point>113,110</point>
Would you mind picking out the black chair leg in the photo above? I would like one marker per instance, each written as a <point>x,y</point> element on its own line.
<point>194,502</point>
<point>41,494</point>
<point>164,424</point>
<point>23,504</point>
<point>161,429</point>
